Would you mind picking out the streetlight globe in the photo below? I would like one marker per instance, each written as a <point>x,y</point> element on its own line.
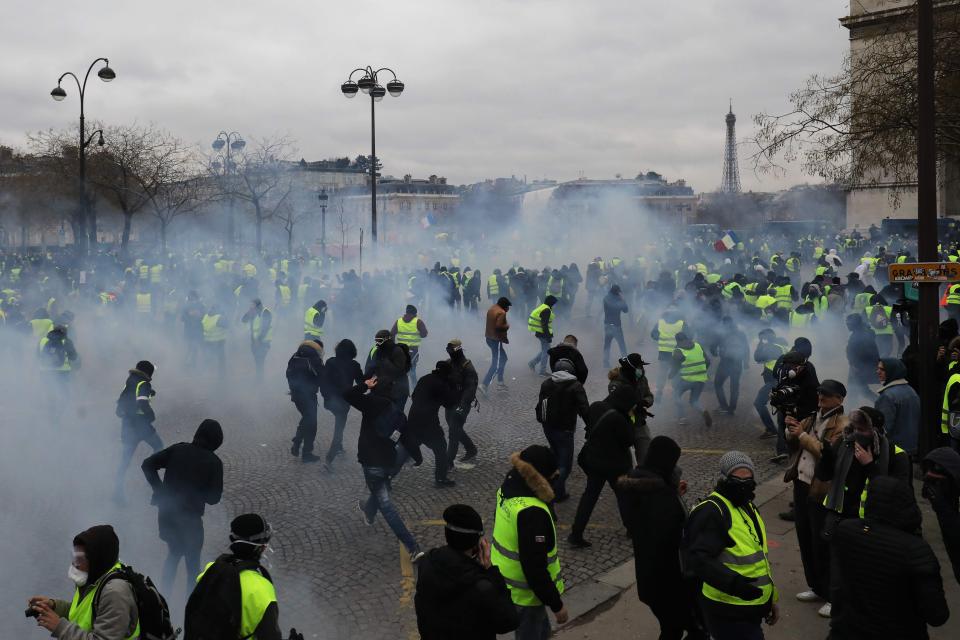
<point>58,93</point>
<point>377,91</point>
<point>395,88</point>
<point>216,165</point>
<point>218,144</point>
<point>236,145</point>
<point>100,141</point>
<point>323,197</point>
<point>365,84</point>
<point>106,74</point>
<point>349,89</point>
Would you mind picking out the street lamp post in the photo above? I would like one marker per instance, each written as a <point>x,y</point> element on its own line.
<point>323,197</point>
<point>228,142</point>
<point>369,83</point>
<point>88,224</point>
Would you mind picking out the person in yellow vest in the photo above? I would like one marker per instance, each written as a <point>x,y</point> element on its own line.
<point>665,333</point>
<point>41,324</point>
<point>880,318</point>
<point>769,349</point>
<point>950,411</point>
<point>314,319</point>
<point>410,330</point>
<point>784,293</point>
<point>214,326</point>
<point>524,527</point>
<point>690,364</point>
<point>726,548</point>
<point>258,614</point>
<point>136,415</point>
<point>495,284</point>
<point>540,324</point>
<point>284,297</point>
<point>143,303</point>
<point>953,301</point>
<point>96,554</point>
<point>261,334</point>
<point>803,316</point>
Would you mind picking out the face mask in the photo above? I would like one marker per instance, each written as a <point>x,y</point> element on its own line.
<point>864,441</point>
<point>740,492</point>
<point>78,577</point>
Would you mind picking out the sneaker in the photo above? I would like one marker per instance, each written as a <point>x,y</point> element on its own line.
<point>502,386</point>
<point>578,543</point>
<point>366,519</point>
<point>483,390</point>
<point>444,483</point>
<point>468,456</point>
<point>824,611</point>
<point>295,449</point>
<point>466,466</point>
<point>682,421</point>
<point>807,596</point>
<point>416,556</point>
<point>707,418</point>
<point>766,435</point>
<point>779,458</point>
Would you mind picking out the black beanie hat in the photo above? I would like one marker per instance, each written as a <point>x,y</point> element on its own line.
<point>463,526</point>
<point>662,456</point>
<point>102,547</point>
<point>250,527</point>
<point>146,367</point>
<point>540,458</point>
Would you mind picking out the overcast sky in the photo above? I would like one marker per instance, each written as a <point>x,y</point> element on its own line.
<point>537,88</point>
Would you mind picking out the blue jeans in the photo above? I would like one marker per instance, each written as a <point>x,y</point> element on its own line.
<point>561,442</point>
<point>760,403</point>
<point>541,358</point>
<point>498,361</point>
<point>378,482</point>
<point>612,332</point>
<point>534,623</point>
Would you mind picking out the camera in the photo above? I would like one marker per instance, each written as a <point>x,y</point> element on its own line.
<point>785,396</point>
<point>31,613</point>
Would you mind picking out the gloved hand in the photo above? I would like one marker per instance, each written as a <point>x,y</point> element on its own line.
<point>745,589</point>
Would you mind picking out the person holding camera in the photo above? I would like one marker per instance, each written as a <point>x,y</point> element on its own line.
<point>806,439</point>
<point>795,393</point>
<point>460,593</point>
<point>770,349</point>
<point>941,486</point>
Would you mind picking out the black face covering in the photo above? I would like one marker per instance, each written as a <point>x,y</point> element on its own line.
<point>864,441</point>
<point>738,490</point>
<point>455,354</point>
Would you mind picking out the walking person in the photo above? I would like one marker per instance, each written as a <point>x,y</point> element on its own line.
<point>614,306</point>
<point>862,356</point>
<point>215,339</point>
<point>496,337</point>
<point>382,427</point>
<point>562,398</point>
<point>567,350</point>
<point>340,374</point>
<point>192,479</point>
<point>261,334</point>
<point>540,324</point>
<point>770,349</point>
<point>433,391</point>
<point>410,330</point>
<point>605,456</point>
<point>192,318</point>
<point>304,377</point>
<point>690,364</point>
<point>463,377</point>
<point>631,372</point>
<point>136,420</point>
<point>733,351</point>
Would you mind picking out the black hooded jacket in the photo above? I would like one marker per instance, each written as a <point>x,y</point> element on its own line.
<point>340,373</point>
<point>943,499</point>
<point>885,579</point>
<point>432,392</point>
<point>609,432</point>
<point>569,352</point>
<point>374,449</point>
<point>102,547</point>
<point>194,473</point>
<point>305,368</point>
<point>457,599</point>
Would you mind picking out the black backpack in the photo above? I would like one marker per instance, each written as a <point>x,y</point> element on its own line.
<point>214,608</point>
<point>391,423</point>
<point>152,609</point>
<point>55,353</point>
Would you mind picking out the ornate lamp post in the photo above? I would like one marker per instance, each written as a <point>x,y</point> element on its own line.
<point>224,144</point>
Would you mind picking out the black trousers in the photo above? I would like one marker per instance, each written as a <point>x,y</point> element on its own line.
<point>728,371</point>
<point>809,516</point>
<point>306,404</point>
<point>458,436</point>
<point>591,493</point>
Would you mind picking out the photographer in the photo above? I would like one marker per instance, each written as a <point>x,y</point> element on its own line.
<point>768,352</point>
<point>795,394</point>
<point>941,486</point>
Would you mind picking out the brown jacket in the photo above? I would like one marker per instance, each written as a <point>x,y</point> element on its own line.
<point>806,441</point>
<point>497,325</point>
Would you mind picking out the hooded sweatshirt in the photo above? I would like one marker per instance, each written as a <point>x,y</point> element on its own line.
<point>609,432</point>
<point>944,503</point>
<point>193,476</point>
<point>900,406</point>
<point>562,398</point>
<point>340,373</point>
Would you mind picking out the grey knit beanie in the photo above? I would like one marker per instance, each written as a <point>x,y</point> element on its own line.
<point>733,460</point>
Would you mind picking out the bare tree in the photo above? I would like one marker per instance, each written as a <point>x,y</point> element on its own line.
<point>181,195</point>
<point>345,225</point>
<point>858,127</point>
<point>289,214</point>
<point>56,165</point>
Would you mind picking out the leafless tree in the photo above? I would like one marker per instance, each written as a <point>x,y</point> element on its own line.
<point>345,225</point>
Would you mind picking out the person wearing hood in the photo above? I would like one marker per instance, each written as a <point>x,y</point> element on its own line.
<point>390,363</point>
<point>192,479</point>
<point>433,391</point>
<point>96,554</point>
<point>613,307</point>
<point>304,377</point>
<point>899,404</point>
<point>725,548</point>
<point>460,593</point>
<point>605,456</point>
<point>562,398</point>
<point>862,356</point>
<point>630,372</point>
<point>567,350</point>
<point>540,324</point>
<point>58,358</point>
<point>340,374</point>
<point>260,320</point>
<point>941,486</point>
<point>654,513</point>
<point>885,581</point>
<point>525,545</point>
<point>463,377</point>
<point>136,420</point>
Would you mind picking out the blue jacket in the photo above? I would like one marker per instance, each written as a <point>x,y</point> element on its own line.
<point>900,406</point>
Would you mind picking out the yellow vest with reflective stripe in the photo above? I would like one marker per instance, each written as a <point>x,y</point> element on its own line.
<point>770,364</point>
<point>747,556</point>
<point>667,341</point>
<point>535,325</point>
<point>493,286</point>
<point>309,328</point>
<point>256,594</point>
<point>887,312</point>
<point>820,304</point>
<point>212,332</point>
<point>861,300</point>
<point>41,327</point>
<point>407,332</point>
<point>144,303</point>
<point>63,367</point>
<point>81,609</point>
<point>144,272</point>
<point>505,549</point>
<point>800,320</point>
<point>694,365</point>
<point>285,295</point>
<point>945,410</point>
<point>953,294</point>
<point>156,273</point>
<point>255,326</point>
<point>783,296</point>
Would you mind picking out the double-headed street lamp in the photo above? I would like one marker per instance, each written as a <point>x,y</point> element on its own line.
<point>106,74</point>
<point>369,83</point>
<point>323,197</point>
<point>224,144</point>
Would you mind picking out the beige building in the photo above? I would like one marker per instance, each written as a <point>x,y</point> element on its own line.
<point>868,22</point>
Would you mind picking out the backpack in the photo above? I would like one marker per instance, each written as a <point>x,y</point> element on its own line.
<point>300,369</point>
<point>214,608</point>
<point>54,353</point>
<point>126,401</point>
<point>878,318</point>
<point>391,423</point>
<point>152,609</point>
<point>406,353</point>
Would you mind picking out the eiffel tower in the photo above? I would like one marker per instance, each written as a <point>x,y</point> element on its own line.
<point>731,171</point>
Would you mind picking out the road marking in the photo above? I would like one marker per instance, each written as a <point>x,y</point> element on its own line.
<point>407,588</point>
